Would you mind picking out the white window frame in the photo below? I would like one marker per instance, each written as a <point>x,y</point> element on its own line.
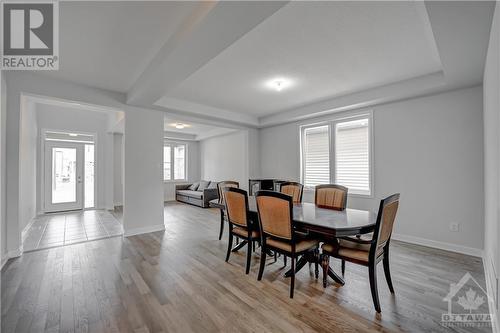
<point>172,145</point>
<point>331,122</point>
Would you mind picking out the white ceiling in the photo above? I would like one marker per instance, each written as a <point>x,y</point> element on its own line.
<point>209,61</point>
<point>326,48</point>
<point>194,131</point>
<point>109,44</point>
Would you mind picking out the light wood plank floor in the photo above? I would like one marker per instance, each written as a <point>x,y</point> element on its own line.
<point>177,281</point>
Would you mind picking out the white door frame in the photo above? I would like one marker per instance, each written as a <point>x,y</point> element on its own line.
<point>79,176</point>
<point>41,174</point>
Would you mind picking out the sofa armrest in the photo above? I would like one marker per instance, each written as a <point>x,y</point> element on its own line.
<point>210,194</point>
<point>181,187</point>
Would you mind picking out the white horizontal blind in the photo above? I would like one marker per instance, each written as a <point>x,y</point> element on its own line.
<point>167,171</point>
<point>352,155</point>
<point>316,152</point>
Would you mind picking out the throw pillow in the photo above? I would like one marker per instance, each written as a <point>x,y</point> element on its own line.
<point>203,185</point>
<point>194,186</point>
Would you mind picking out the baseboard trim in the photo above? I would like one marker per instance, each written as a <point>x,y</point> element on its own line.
<point>491,290</point>
<point>24,233</point>
<point>439,245</point>
<point>143,230</point>
<point>3,261</point>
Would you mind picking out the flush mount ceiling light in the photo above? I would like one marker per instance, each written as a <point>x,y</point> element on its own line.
<point>180,125</point>
<point>73,134</point>
<point>279,83</point>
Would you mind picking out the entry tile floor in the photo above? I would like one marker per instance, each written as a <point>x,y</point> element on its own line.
<point>72,227</point>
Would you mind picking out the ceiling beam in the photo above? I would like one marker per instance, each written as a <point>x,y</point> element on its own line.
<point>212,27</point>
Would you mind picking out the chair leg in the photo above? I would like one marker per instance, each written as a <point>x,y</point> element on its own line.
<point>325,262</point>
<point>387,272</point>
<point>229,245</point>
<point>262,261</point>
<point>284,260</point>
<point>249,255</point>
<point>292,281</point>
<point>343,267</point>
<point>221,224</point>
<point>316,263</point>
<point>372,270</point>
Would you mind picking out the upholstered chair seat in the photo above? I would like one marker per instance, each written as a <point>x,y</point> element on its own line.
<point>300,246</point>
<point>349,249</point>
<point>243,232</point>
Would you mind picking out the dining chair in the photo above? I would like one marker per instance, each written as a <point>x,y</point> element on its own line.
<point>367,252</point>
<point>293,189</point>
<point>275,211</point>
<point>331,196</point>
<point>220,188</point>
<point>240,225</point>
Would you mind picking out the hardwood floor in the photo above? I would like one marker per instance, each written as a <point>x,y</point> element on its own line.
<point>177,281</point>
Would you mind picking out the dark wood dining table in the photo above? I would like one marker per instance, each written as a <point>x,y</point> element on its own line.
<point>322,222</point>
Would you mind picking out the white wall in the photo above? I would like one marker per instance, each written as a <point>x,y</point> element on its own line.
<point>429,149</point>
<point>143,188</point>
<point>28,155</point>
<point>226,158</point>
<point>193,169</point>
<point>118,169</point>
<point>3,167</point>
<point>73,120</point>
<point>491,88</point>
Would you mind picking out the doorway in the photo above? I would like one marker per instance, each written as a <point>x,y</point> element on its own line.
<point>69,171</point>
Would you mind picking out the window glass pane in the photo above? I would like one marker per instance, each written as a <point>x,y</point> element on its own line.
<point>316,156</point>
<point>352,168</point>
<point>179,162</point>
<point>63,175</point>
<point>166,163</point>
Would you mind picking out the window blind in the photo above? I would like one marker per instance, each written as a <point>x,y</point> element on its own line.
<point>316,156</point>
<point>352,155</point>
<point>166,163</point>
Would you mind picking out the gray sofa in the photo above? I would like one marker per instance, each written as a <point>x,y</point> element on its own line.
<point>198,194</point>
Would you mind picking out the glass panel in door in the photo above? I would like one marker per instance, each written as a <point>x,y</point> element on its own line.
<point>63,175</point>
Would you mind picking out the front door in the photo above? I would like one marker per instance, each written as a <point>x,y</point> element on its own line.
<point>64,169</point>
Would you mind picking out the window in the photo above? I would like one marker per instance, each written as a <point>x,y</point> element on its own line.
<point>174,161</point>
<point>338,152</point>
<point>316,156</point>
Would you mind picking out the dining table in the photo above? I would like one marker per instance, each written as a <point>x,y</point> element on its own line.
<point>323,223</point>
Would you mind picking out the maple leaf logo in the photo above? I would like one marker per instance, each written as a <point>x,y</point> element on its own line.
<point>470,301</point>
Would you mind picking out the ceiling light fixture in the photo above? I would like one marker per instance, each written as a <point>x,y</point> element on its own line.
<point>180,125</point>
<point>73,134</point>
<point>279,84</point>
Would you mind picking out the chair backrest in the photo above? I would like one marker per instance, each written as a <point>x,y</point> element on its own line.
<point>385,222</point>
<point>331,196</point>
<point>293,189</point>
<point>275,214</point>
<point>236,201</point>
<point>222,185</point>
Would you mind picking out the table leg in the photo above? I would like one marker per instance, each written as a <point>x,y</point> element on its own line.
<point>300,264</point>
<point>335,276</point>
<point>239,246</point>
